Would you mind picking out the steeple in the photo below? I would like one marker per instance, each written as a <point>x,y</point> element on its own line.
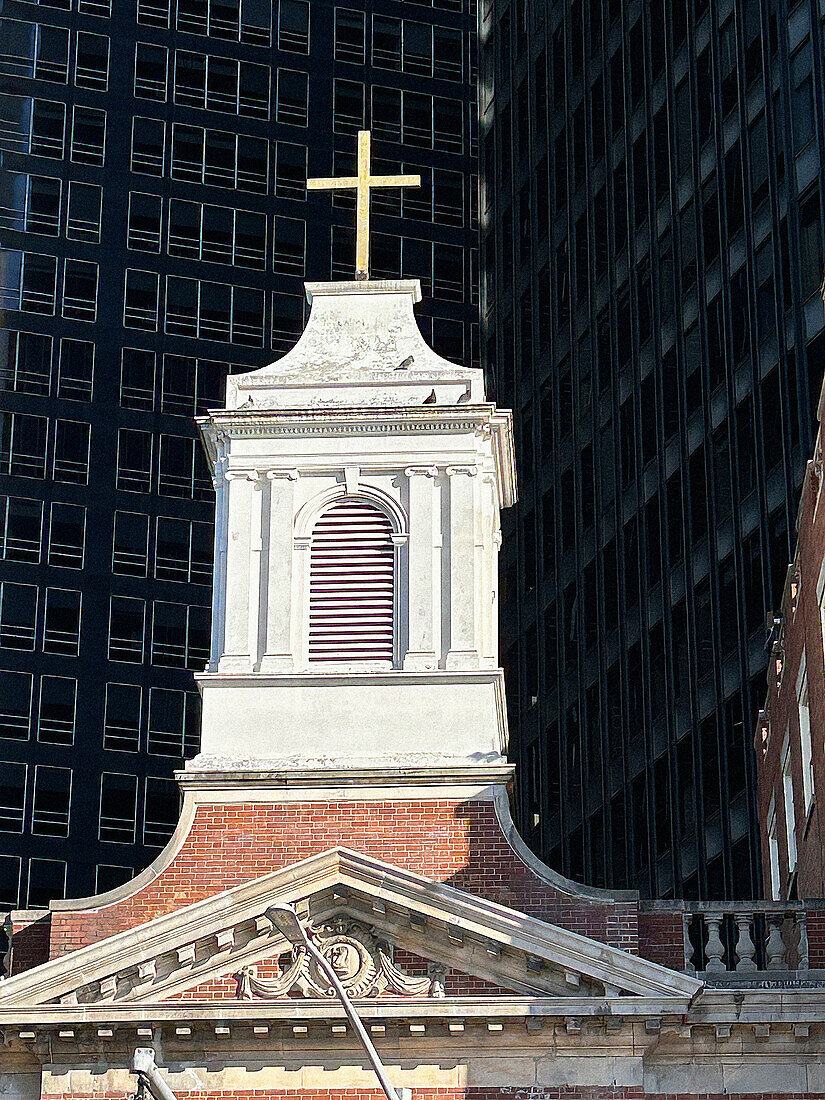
<point>359,480</point>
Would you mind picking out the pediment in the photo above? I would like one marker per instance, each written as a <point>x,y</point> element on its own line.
<point>385,920</point>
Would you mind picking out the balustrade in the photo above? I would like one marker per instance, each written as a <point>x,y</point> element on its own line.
<point>745,938</point>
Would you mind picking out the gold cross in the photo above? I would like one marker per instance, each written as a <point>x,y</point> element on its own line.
<point>363,184</point>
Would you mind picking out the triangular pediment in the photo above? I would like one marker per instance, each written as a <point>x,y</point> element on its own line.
<point>390,918</point>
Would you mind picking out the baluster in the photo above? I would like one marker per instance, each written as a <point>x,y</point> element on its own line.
<point>745,948</point>
<point>714,948</point>
<point>775,945</point>
<point>802,946</point>
<point>689,965</point>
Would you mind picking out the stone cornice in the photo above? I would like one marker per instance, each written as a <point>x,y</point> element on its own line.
<point>369,420</point>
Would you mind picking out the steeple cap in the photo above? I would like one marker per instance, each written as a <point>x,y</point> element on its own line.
<point>361,346</point>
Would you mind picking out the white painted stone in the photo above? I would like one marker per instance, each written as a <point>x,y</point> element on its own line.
<point>758,1075</point>
<point>592,1071</point>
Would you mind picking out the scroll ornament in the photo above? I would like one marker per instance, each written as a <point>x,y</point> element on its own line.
<point>362,960</point>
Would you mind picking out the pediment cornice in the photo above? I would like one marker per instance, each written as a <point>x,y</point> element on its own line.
<point>218,935</point>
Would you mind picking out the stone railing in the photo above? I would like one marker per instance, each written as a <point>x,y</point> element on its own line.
<point>743,938</point>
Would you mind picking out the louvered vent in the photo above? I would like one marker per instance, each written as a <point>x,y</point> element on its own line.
<point>351,585</point>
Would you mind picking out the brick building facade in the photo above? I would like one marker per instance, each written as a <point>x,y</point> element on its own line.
<point>789,738</point>
<point>372,794</point>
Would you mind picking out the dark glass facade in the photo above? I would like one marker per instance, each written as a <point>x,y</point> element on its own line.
<point>156,234</point>
<point>652,244</point>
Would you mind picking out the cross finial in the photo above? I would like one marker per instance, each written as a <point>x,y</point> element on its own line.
<point>363,183</point>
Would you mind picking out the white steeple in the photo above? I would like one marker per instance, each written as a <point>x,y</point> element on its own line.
<point>359,480</point>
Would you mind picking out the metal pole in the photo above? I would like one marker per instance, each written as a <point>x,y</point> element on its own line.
<point>286,921</point>
<point>354,1019</point>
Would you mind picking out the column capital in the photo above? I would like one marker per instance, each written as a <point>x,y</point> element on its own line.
<point>470,471</point>
<point>421,471</point>
<point>283,474</point>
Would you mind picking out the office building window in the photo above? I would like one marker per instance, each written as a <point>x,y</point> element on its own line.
<point>26,366</point>
<point>88,141</point>
<point>118,808</point>
<point>121,724</point>
<point>18,615</point>
<point>221,84</point>
<point>191,386</point>
<point>220,234</point>
<point>15,704</point>
<point>174,722</point>
<point>58,705</point>
<point>12,797</point>
<point>84,212</point>
<point>293,26</point>
<point>214,311</point>
<point>80,279</point>
<point>155,13</point>
<point>47,881</point>
<point>52,801</point>
<point>47,134</point>
<point>140,300</point>
<point>183,550</point>
<point>43,205</point>
<point>51,51</point>
<point>71,452</point>
<point>127,616</point>
<point>75,378</point>
<point>180,635</point>
<point>92,61</point>
<point>182,470</point>
<point>143,231</point>
<point>348,106</point>
<point>350,36</point>
<point>289,246</point>
<point>10,868</point>
<point>290,170</point>
<point>108,876</point>
<point>21,527</point>
<point>36,290</point>
<point>137,379</point>
<point>134,460</point>
<point>292,97</point>
<point>130,544</point>
<point>151,71</point>
<point>148,146</point>
<point>61,631</point>
<point>67,535</point>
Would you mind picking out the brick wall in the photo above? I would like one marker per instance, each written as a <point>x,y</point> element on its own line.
<point>661,939</point>
<point>29,931</point>
<point>459,843</point>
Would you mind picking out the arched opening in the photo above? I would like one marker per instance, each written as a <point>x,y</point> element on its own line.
<point>351,584</point>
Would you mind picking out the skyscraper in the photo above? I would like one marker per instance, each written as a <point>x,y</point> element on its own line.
<point>155,234</point>
<point>652,248</point>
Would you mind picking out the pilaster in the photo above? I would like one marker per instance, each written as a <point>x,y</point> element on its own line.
<point>236,655</point>
<point>421,654</point>
<point>278,655</point>
<point>463,652</point>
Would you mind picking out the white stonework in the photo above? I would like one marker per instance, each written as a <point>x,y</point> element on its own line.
<point>360,409</point>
